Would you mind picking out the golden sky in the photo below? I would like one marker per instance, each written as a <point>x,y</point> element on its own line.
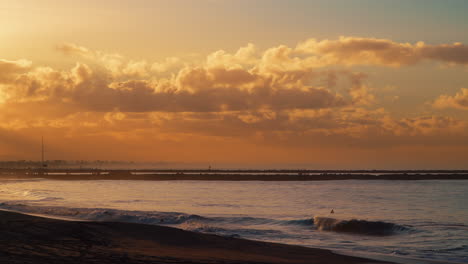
<point>318,85</point>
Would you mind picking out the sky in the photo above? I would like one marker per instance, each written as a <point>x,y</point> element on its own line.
<point>332,84</point>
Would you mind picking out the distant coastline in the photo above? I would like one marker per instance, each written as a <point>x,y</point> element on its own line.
<point>233,175</point>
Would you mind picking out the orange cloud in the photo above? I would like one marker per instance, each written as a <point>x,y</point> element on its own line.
<point>244,56</point>
<point>196,89</point>
<point>73,49</point>
<point>458,101</point>
<point>10,69</point>
<point>168,64</point>
<point>275,102</point>
<point>371,51</point>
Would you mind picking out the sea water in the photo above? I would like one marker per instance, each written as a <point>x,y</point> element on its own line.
<point>410,219</point>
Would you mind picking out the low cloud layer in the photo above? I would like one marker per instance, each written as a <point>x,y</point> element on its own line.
<point>457,101</point>
<point>371,51</point>
<point>9,70</point>
<point>276,101</point>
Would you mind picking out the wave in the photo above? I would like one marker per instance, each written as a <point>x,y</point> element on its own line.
<point>363,227</point>
<point>33,195</point>
<point>300,222</point>
<point>448,250</point>
<point>108,215</point>
<point>224,226</point>
<point>226,230</point>
<point>247,221</point>
<point>219,225</point>
<point>143,217</point>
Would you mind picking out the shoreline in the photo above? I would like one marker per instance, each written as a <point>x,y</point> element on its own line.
<point>39,240</point>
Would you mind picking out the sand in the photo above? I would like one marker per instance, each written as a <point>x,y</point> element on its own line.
<point>33,239</point>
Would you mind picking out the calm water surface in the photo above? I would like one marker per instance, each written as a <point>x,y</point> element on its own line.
<point>421,219</point>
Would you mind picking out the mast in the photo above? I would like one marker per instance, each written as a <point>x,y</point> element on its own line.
<point>42,152</point>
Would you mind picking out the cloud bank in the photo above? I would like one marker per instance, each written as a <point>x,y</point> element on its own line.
<point>384,52</point>
<point>458,101</point>
<point>272,102</point>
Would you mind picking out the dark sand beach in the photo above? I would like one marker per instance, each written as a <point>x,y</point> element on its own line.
<point>33,239</point>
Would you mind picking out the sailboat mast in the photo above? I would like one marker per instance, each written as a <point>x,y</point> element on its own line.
<point>42,152</point>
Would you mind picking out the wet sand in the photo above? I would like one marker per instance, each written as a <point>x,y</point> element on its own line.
<point>31,239</point>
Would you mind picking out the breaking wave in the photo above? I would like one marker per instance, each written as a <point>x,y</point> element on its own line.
<point>109,215</point>
<point>219,225</point>
<point>224,226</point>
<point>142,217</point>
<point>363,227</point>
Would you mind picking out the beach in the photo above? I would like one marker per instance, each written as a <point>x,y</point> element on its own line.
<point>33,239</point>
<point>388,218</point>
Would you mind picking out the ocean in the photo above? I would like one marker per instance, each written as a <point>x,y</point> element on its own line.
<point>405,219</point>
